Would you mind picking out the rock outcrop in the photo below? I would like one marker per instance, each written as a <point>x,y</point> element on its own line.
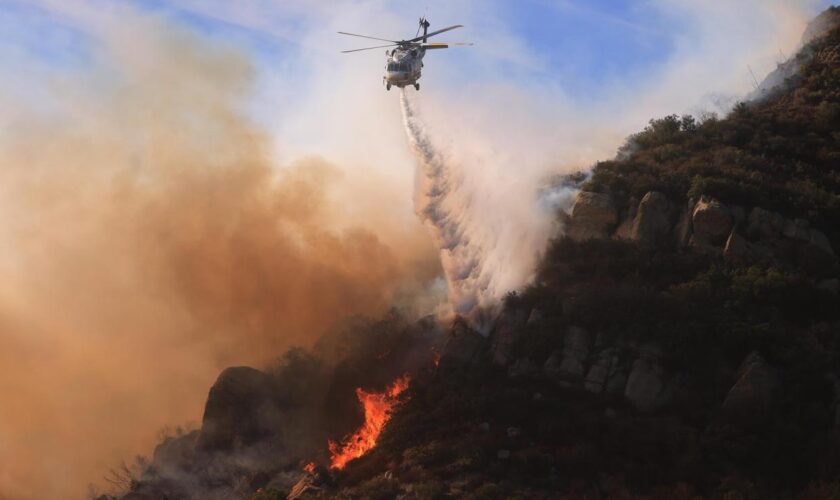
<point>737,248</point>
<point>240,410</point>
<point>648,381</point>
<point>652,223</point>
<point>593,216</point>
<point>820,241</point>
<point>625,228</point>
<point>707,225</point>
<point>575,352</point>
<point>551,367</point>
<point>507,331</point>
<point>523,368</point>
<point>463,346</point>
<point>603,369</point>
<point>711,222</point>
<point>751,395</point>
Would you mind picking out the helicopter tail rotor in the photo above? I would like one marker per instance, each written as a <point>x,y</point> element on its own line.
<point>424,25</point>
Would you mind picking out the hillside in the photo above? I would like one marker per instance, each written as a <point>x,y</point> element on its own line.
<point>681,340</point>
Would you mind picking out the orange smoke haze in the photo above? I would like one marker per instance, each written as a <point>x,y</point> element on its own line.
<point>378,407</point>
<point>149,241</point>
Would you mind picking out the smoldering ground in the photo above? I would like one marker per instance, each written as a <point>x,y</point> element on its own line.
<point>150,241</point>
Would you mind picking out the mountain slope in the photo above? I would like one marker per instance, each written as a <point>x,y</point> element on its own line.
<point>681,341</point>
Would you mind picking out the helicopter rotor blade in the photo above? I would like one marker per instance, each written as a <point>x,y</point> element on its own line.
<point>369,48</point>
<point>444,45</point>
<point>365,36</point>
<point>438,32</point>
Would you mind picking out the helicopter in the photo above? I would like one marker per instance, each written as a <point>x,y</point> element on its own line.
<point>404,63</point>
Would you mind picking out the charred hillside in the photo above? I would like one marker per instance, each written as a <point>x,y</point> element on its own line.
<point>681,340</point>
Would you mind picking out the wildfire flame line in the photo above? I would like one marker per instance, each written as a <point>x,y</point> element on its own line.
<point>378,408</point>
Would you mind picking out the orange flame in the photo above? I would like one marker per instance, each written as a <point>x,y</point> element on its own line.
<point>309,468</point>
<point>378,408</point>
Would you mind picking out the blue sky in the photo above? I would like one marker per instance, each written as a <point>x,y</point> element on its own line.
<point>578,44</point>
<point>575,62</point>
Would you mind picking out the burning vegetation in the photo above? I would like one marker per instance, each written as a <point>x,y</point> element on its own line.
<point>378,408</point>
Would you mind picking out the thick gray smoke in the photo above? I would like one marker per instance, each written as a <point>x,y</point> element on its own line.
<point>437,204</point>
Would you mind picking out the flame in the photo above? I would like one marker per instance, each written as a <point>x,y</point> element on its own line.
<point>309,468</point>
<point>378,408</point>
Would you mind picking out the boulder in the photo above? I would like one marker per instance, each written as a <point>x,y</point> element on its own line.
<point>819,240</point>
<point>645,385</point>
<point>240,410</point>
<point>593,216</point>
<point>682,231</point>
<point>653,220</point>
<point>600,371</point>
<point>751,395</point>
<point>463,346</point>
<point>523,368</point>
<point>508,330</point>
<point>796,229</point>
<point>551,367</point>
<point>575,352</point>
<point>737,248</point>
<point>711,221</point>
<point>764,224</point>
<point>816,256</point>
<point>625,229</point>
<point>616,382</point>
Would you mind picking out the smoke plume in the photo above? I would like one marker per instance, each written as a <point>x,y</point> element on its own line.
<point>151,240</point>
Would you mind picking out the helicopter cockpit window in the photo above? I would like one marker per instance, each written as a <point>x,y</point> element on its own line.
<point>392,66</point>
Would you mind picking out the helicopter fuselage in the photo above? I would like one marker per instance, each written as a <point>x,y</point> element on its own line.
<point>404,63</point>
<point>403,66</point>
